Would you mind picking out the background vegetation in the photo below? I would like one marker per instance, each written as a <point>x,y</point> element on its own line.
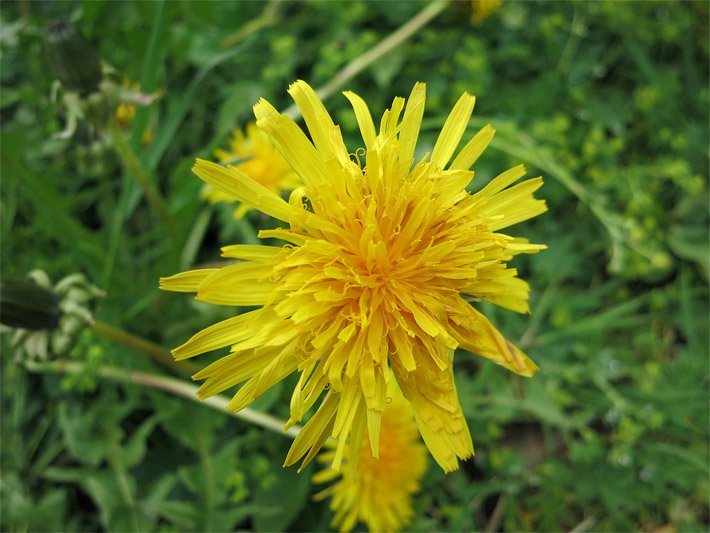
<point>608,100</point>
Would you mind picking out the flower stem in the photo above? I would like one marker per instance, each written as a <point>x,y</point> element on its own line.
<point>139,344</point>
<point>170,385</point>
<point>382,48</point>
<point>133,166</point>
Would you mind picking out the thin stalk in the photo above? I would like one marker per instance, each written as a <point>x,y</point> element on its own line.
<point>249,235</point>
<point>170,385</point>
<point>119,216</point>
<point>149,72</point>
<point>139,344</point>
<point>124,486</point>
<point>269,17</point>
<point>133,166</point>
<point>194,239</point>
<point>208,492</point>
<point>386,45</point>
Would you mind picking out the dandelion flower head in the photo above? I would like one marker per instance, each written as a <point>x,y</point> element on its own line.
<point>379,492</point>
<point>385,254</point>
<point>257,157</point>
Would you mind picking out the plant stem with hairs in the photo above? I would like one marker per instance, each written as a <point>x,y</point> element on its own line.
<point>172,386</point>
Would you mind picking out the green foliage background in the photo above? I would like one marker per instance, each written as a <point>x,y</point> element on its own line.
<point>607,100</point>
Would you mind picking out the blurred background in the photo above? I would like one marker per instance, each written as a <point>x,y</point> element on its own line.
<point>608,100</point>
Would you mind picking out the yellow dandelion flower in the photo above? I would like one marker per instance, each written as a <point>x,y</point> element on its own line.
<point>379,492</point>
<point>482,9</point>
<point>381,266</point>
<point>262,162</point>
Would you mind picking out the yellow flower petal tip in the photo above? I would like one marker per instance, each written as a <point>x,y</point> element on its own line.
<point>252,153</point>
<point>377,281</point>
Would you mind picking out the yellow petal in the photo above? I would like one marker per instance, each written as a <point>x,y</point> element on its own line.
<point>432,393</point>
<point>315,432</point>
<point>293,144</point>
<point>501,181</point>
<point>478,336</point>
<point>470,153</point>
<point>452,131</point>
<point>186,281</point>
<point>238,284</point>
<point>325,134</point>
<point>219,335</point>
<point>251,252</point>
<point>364,119</point>
<point>514,205</point>
<point>412,121</point>
<point>234,182</point>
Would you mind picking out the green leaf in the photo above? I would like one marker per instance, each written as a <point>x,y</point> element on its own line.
<point>286,497</point>
<point>51,208</point>
<point>104,489</point>
<point>691,243</point>
<point>134,449</point>
<point>81,430</point>
<point>191,424</point>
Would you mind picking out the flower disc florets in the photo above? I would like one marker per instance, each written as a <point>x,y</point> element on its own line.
<point>382,262</point>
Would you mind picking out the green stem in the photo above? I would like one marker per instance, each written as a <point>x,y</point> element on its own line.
<point>385,46</point>
<point>249,235</point>
<point>194,239</point>
<point>268,18</point>
<point>208,481</point>
<point>133,166</point>
<point>173,386</point>
<point>149,72</point>
<point>139,344</point>
<point>122,478</point>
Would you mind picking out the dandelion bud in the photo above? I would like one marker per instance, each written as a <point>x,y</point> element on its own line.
<point>47,320</point>
<point>73,60</point>
<point>24,304</point>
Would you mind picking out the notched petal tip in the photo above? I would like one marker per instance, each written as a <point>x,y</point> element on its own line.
<point>300,85</point>
<point>262,109</point>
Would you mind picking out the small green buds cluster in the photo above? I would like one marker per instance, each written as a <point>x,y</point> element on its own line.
<point>46,320</point>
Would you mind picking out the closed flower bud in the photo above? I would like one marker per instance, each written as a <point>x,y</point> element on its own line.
<point>24,304</point>
<point>73,60</point>
<point>45,320</point>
